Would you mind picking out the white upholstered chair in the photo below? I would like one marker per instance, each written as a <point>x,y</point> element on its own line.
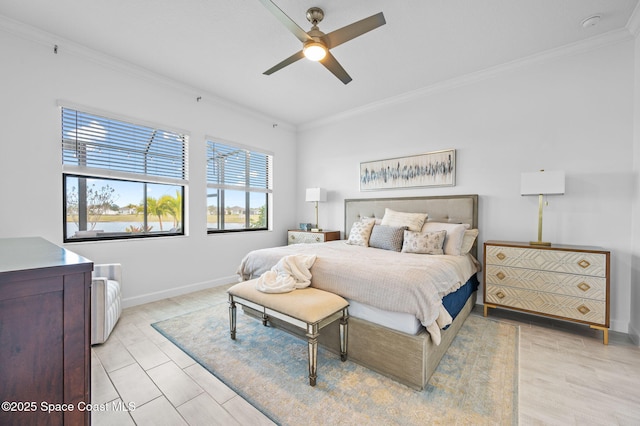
<point>106,300</point>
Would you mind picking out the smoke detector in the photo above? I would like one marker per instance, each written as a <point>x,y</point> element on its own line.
<point>591,21</point>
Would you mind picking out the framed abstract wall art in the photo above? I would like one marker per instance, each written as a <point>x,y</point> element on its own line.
<point>436,168</point>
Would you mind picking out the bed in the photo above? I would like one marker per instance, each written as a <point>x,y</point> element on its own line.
<point>405,308</point>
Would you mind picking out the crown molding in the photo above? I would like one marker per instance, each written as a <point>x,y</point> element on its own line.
<point>583,46</point>
<point>65,46</point>
<point>633,24</point>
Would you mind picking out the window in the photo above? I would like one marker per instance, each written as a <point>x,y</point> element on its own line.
<point>238,188</point>
<point>121,180</point>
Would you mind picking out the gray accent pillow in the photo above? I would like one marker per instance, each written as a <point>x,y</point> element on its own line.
<point>387,237</point>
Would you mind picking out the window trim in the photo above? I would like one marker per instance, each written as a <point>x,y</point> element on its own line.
<point>246,189</point>
<point>112,237</point>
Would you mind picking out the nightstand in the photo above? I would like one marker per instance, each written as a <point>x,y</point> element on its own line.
<point>566,282</point>
<point>311,237</point>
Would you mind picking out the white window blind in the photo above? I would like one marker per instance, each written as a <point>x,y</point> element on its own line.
<point>230,167</point>
<point>95,145</point>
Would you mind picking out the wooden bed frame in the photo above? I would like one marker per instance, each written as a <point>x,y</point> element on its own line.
<point>408,359</point>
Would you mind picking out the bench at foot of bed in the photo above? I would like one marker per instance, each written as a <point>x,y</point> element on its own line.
<point>309,309</point>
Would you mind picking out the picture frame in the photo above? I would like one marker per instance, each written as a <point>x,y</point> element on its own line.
<point>432,169</point>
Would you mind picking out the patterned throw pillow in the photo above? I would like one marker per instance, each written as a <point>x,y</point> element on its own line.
<point>360,233</point>
<point>413,221</point>
<point>387,237</point>
<point>455,235</point>
<point>429,243</point>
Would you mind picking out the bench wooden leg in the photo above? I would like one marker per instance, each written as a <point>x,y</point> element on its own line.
<point>344,335</point>
<point>232,318</point>
<point>312,334</point>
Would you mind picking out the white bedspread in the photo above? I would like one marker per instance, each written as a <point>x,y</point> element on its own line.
<point>393,281</point>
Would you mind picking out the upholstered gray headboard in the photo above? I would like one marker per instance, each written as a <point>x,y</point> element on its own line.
<point>445,208</point>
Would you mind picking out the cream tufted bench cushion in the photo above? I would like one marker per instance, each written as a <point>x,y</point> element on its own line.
<point>308,308</point>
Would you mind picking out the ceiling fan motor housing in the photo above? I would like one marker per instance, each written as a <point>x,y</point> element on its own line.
<point>315,15</point>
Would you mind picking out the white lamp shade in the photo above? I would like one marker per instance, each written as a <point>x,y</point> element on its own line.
<point>316,194</point>
<point>542,182</point>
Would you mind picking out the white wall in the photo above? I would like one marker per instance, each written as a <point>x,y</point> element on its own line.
<point>634,324</point>
<point>571,112</point>
<point>33,78</point>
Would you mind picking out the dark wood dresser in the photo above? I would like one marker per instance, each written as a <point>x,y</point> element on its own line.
<point>45,333</point>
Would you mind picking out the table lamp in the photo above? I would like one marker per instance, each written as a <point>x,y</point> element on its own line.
<point>316,195</point>
<point>541,183</point>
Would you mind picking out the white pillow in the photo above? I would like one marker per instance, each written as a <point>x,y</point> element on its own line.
<point>360,233</point>
<point>468,239</point>
<point>413,221</point>
<point>377,219</point>
<point>455,235</point>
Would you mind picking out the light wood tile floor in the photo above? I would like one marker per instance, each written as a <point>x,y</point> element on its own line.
<point>567,376</point>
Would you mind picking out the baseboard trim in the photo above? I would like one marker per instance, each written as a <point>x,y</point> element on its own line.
<point>177,291</point>
<point>634,335</point>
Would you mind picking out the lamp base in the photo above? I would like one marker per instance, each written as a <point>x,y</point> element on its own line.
<point>316,229</point>
<point>539,243</point>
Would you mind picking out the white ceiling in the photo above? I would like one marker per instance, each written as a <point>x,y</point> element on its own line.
<point>222,46</point>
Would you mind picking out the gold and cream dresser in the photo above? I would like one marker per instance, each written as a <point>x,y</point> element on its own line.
<point>559,281</point>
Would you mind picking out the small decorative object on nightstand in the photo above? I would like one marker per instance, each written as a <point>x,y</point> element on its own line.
<point>311,237</point>
<point>566,282</point>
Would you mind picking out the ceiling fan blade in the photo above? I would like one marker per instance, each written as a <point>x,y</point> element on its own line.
<point>286,21</point>
<point>344,34</point>
<point>331,63</point>
<point>291,59</point>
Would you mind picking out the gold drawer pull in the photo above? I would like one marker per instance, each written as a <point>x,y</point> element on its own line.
<point>584,286</point>
<point>501,295</point>
<point>583,310</point>
<point>318,239</point>
<point>584,264</point>
<point>501,275</point>
<point>501,256</point>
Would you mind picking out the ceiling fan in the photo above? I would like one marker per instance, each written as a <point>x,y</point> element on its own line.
<point>316,45</point>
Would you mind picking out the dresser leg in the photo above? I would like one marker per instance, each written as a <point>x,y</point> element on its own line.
<point>486,308</point>
<point>605,333</point>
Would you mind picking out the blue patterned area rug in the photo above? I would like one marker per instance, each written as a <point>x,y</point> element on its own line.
<point>476,382</point>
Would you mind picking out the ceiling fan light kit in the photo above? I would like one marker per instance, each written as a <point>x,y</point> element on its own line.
<point>316,45</point>
<point>314,51</point>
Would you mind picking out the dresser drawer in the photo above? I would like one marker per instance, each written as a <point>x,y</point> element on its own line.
<point>572,262</point>
<point>576,308</point>
<point>311,237</point>
<point>583,286</point>
<point>305,237</point>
